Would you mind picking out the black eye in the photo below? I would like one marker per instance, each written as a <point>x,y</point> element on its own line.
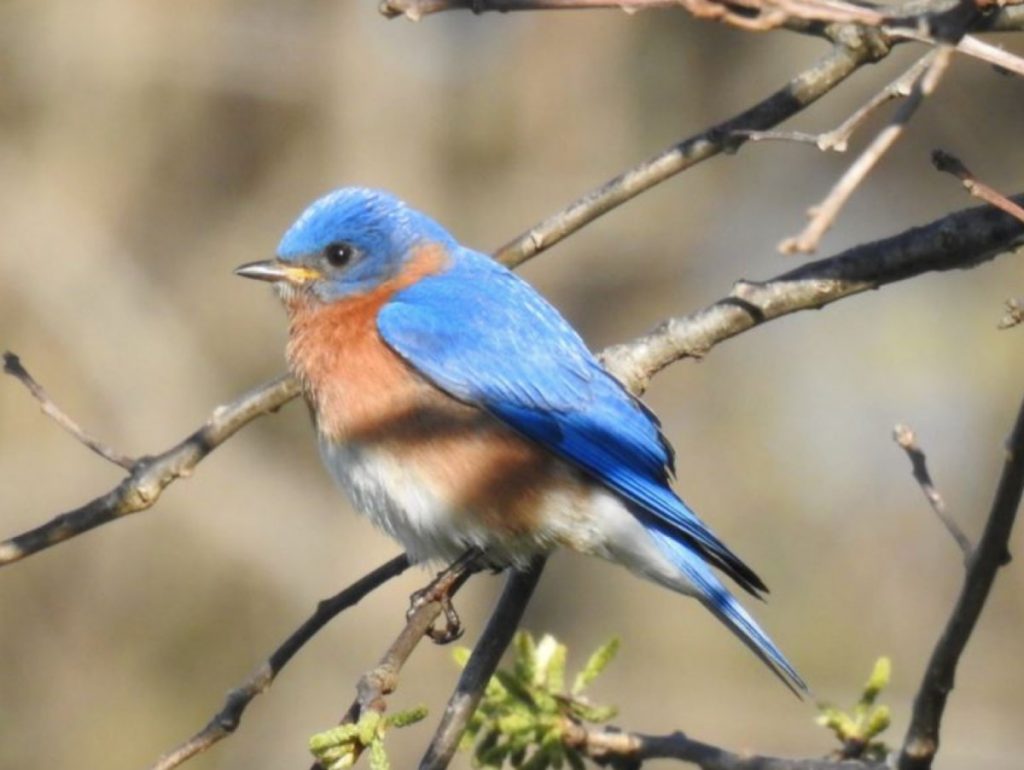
<point>338,254</point>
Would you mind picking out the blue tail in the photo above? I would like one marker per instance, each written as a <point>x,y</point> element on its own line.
<point>724,606</point>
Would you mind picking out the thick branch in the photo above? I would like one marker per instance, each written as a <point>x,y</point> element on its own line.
<point>482,663</point>
<point>957,241</point>
<point>151,475</point>
<point>922,740</point>
<point>628,750</point>
<point>226,721</point>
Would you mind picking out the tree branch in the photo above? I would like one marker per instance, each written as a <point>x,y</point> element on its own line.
<point>608,746</point>
<point>226,721</point>
<point>922,740</point>
<point>904,436</point>
<point>13,367</point>
<point>950,164</point>
<point>799,93</point>
<point>824,214</point>
<point>482,663</point>
<point>150,475</point>
<point>961,240</point>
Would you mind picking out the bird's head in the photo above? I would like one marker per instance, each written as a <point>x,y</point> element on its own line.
<point>347,242</point>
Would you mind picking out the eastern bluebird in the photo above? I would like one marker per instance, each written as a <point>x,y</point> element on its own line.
<point>459,410</point>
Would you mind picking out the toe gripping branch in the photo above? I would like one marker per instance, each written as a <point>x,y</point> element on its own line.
<point>442,588</point>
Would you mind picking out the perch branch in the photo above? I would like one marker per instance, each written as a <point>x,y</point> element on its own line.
<point>904,436</point>
<point>950,164</point>
<point>226,721</point>
<point>13,367</point>
<point>482,663</point>
<point>824,214</point>
<point>149,476</point>
<point>922,739</point>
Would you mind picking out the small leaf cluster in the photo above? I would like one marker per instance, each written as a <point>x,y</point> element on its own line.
<point>525,711</point>
<point>858,730</point>
<point>341,746</point>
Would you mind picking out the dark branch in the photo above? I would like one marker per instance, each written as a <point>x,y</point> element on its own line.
<point>607,746</point>
<point>904,436</point>
<point>922,740</point>
<point>13,367</point>
<point>226,721</point>
<point>482,663</point>
<point>957,241</point>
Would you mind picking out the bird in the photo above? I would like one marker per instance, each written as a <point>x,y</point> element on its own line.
<point>460,411</point>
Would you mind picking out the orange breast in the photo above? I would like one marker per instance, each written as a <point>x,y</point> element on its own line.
<point>363,393</point>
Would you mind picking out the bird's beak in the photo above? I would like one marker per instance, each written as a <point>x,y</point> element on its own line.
<point>274,271</point>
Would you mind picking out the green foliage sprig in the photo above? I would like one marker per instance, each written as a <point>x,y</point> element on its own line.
<point>525,711</point>
<point>858,730</point>
<point>340,747</point>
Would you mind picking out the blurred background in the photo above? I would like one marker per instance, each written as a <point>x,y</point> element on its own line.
<point>146,149</point>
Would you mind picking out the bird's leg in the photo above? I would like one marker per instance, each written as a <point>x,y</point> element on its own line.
<point>441,589</point>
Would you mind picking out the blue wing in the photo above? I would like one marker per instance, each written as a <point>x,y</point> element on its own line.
<point>487,338</point>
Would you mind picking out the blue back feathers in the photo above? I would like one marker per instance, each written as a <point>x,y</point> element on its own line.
<point>487,338</point>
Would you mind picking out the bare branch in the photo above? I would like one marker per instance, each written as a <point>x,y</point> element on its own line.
<point>13,367</point>
<point>226,721</point>
<point>957,241</point>
<point>944,161</point>
<point>922,739</point>
<point>488,651</point>
<point>150,475</point>
<point>904,436</point>
<point>800,92</point>
<point>838,138</point>
<point>824,214</point>
<point>608,746</point>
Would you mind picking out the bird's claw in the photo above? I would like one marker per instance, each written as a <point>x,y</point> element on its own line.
<point>440,590</point>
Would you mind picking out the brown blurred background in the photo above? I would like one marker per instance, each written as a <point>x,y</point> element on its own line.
<point>148,148</point>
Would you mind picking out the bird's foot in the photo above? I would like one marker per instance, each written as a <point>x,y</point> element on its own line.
<point>441,589</point>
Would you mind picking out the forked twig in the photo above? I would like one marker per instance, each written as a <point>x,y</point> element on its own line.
<point>922,739</point>
<point>824,214</point>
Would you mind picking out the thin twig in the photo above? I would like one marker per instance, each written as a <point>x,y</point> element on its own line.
<point>838,138</point>
<point>226,721</point>
<point>904,436</point>
<point>609,746</point>
<point>799,93</point>
<point>824,214</point>
<point>950,164</point>
<point>151,475</point>
<point>482,663</point>
<point>922,739</point>
<point>13,367</point>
